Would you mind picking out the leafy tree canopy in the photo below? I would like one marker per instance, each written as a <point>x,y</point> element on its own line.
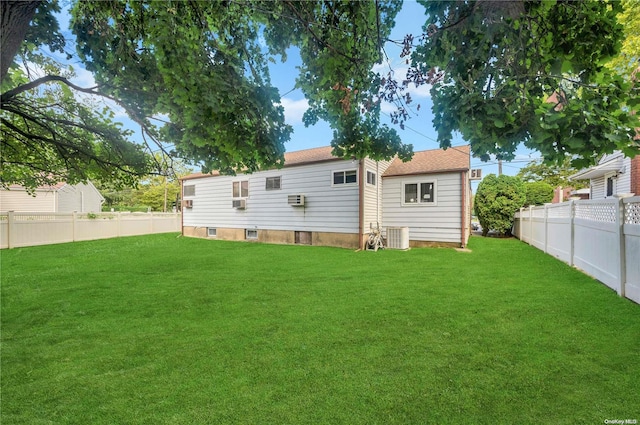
<point>204,65</point>
<point>553,174</point>
<point>505,73</point>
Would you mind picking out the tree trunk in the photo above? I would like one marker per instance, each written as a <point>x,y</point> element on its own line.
<point>16,16</point>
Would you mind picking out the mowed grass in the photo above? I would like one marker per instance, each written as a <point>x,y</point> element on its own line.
<point>171,330</point>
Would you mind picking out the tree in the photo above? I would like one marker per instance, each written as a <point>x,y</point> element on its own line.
<point>497,200</point>
<point>553,174</point>
<point>49,132</point>
<point>204,66</point>
<point>505,73</point>
<point>538,193</point>
<point>628,61</point>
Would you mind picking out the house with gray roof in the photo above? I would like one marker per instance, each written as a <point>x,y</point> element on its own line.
<point>319,199</point>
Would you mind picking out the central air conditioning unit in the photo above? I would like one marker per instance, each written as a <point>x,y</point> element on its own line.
<point>239,204</point>
<point>188,203</point>
<point>296,200</point>
<point>398,237</point>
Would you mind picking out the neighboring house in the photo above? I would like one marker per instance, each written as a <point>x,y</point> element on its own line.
<point>562,194</point>
<point>62,197</point>
<point>614,175</point>
<point>319,199</point>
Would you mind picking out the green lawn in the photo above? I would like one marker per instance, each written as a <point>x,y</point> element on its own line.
<point>170,330</point>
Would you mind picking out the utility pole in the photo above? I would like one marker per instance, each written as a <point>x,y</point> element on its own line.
<point>499,167</point>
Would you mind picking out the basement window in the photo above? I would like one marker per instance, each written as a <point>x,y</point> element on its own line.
<point>212,232</point>
<point>251,234</point>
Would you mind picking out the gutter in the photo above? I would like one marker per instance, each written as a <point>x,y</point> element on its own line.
<point>361,204</point>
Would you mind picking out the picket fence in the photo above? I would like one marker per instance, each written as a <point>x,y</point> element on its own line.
<point>600,237</point>
<point>20,229</point>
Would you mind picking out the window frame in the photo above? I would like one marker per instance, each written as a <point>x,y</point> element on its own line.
<point>419,184</point>
<point>266,183</point>
<point>375,177</point>
<point>252,238</point>
<point>610,177</point>
<point>215,232</point>
<point>344,177</point>
<point>191,188</point>
<point>239,183</point>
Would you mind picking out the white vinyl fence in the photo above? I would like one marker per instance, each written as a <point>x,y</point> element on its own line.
<point>600,237</point>
<point>18,229</point>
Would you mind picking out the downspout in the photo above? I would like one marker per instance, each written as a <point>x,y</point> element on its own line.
<point>361,205</point>
<point>463,207</point>
<point>181,209</point>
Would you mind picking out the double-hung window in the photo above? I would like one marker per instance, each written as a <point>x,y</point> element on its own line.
<point>419,193</point>
<point>241,189</point>
<point>345,177</point>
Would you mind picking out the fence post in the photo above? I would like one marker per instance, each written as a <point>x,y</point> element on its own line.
<point>546,228</point>
<point>530,224</point>
<point>73,225</point>
<point>10,228</point>
<point>622,271</point>
<point>520,224</point>
<point>572,230</point>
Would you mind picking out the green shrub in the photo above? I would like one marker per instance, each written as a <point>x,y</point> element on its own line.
<point>538,193</point>
<point>497,200</point>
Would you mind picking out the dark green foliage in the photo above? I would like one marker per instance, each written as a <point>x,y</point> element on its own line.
<point>538,193</point>
<point>204,64</point>
<point>497,199</point>
<point>512,72</point>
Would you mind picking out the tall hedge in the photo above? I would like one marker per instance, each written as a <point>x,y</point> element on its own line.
<point>497,200</point>
<point>538,193</point>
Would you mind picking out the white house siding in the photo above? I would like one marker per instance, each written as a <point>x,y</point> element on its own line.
<point>373,194</point>
<point>79,197</point>
<point>427,223</point>
<point>20,200</point>
<point>622,184</point>
<point>327,208</point>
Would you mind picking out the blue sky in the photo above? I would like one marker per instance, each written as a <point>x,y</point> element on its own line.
<point>419,130</point>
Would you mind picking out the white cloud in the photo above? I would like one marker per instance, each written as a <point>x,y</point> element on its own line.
<point>293,110</point>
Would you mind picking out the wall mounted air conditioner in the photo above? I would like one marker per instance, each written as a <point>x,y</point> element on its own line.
<point>239,204</point>
<point>187,203</point>
<point>296,200</point>
<point>398,237</point>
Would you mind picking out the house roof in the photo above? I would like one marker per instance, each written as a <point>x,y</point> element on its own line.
<point>432,161</point>
<point>609,164</point>
<point>423,162</point>
<point>306,156</point>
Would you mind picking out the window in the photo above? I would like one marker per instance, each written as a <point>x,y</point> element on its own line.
<point>273,183</point>
<point>241,189</point>
<point>189,190</point>
<point>212,232</point>
<point>251,234</point>
<point>371,178</point>
<point>345,177</point>
<point>419,193</point>
<point>609,186</point>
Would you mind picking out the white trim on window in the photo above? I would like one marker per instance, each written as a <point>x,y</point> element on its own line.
<point>341,178</point>
<point>419,193</point>
<point>372,178</point>
<point>273,183</point>
<point>212,232</point>
<point>240,189</point>
<point>251,234</point>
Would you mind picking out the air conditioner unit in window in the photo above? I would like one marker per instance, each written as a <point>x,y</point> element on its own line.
<point>296,200</point>
<point>239,204</point>
<point>476,174</point>
<point>188,203</point>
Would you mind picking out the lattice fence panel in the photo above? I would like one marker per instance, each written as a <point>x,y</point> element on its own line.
<point>632,213</point>
<point>602,212</point>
